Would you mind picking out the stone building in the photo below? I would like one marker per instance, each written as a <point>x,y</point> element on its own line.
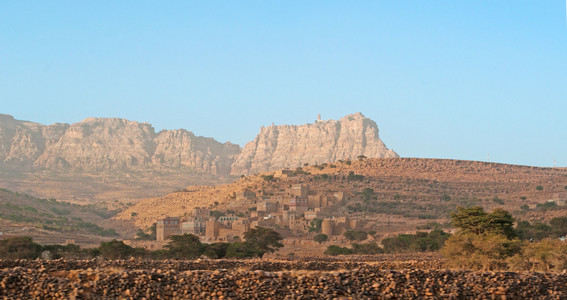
<point>300,190</point>
<point>298,204</point>
<point>167,227</point>
<point>327,227</point>
<point>299,224</point>
<point>194,226</point>
<point>313,214</point>
<point>246,195</point>
<point>228,219</point>
<point>201,213</point>
<point>267,206</point>
<point>212,229</point>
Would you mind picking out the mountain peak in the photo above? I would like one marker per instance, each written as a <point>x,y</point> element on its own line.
<point>354,116</point>
<point>284,146</point>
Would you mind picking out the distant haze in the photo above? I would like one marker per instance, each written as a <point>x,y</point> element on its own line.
<point>460,79</point>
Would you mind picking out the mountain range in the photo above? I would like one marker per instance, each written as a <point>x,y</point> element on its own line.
<point>113,144</point>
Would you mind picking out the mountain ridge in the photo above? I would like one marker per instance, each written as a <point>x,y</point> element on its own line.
<point>109,144</point>
<point>98,144</point>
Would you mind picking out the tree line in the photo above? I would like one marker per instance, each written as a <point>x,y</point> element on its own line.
<point>257,242</point>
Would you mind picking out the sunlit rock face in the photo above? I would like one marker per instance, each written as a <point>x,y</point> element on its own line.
<point>290,146</point>
<point>106,144</point>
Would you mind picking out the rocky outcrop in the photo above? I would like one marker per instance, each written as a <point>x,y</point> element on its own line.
<point>106,144</point>
<point>290,146</point>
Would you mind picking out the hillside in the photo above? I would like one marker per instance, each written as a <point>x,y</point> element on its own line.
<point>52,221</point>
<point>412,191</point>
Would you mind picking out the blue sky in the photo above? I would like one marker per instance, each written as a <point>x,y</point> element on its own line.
<point>443,79</point>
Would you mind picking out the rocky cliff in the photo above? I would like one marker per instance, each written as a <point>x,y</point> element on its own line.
<point>290,146</point>
<point>106,144</point>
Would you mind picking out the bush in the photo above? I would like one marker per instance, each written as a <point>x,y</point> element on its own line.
<point>550,205</point>
<point>498,200</point>
<point>367,248</point>
<point>337,250</point>
<point>558,226</point>
<point>215,250</point>
<point>60,211</point>
<point>241,250</point>
<point>315,225</point>
<point>354,177</point>
<point>268,178</point>
<point>21,247</point>
<point>487,251</point>
<point>115,250</point>
<point>353,235</point>
<point>539,188</point>
<point>418,242</point>
<point>535,232</point>
<point>321,238</point>
<point>545,256</point>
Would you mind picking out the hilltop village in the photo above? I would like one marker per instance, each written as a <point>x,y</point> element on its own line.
<point>290,211</point>
<point>376,196</point>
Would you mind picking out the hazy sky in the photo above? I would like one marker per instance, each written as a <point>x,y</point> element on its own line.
<point>444,79</point>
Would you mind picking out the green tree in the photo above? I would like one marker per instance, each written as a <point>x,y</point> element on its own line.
<point>400,243</point>
<point>501,221</point>
<point>263,240</point>
<point>321,238</point>
<point>485,241</point>
<point>486,251</point>
<point>337,250</point>
<point>546,255</point>
<point>215,250</point>
<point>476,221</point>
<point>418,242</point>
<point>242,250</point>
<point>532,232</point>
<point>558,226</point>
<point>355,235</point>
<point>115,250</point>
<point>315,225</point>
<point>21,247</point>
<point>367,248</point>
<point>140,235</point>
<point>184,246</point>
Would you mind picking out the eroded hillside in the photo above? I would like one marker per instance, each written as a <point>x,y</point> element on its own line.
<point>415,190</point>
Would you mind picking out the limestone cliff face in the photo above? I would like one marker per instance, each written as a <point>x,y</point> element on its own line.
<point>97,144</point>
<point>290,146</point>
<point>107,144</point>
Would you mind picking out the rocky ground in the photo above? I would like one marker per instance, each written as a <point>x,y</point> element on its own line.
<point>360,278</point>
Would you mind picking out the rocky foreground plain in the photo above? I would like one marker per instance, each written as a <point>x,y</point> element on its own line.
<point>382,277</point>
